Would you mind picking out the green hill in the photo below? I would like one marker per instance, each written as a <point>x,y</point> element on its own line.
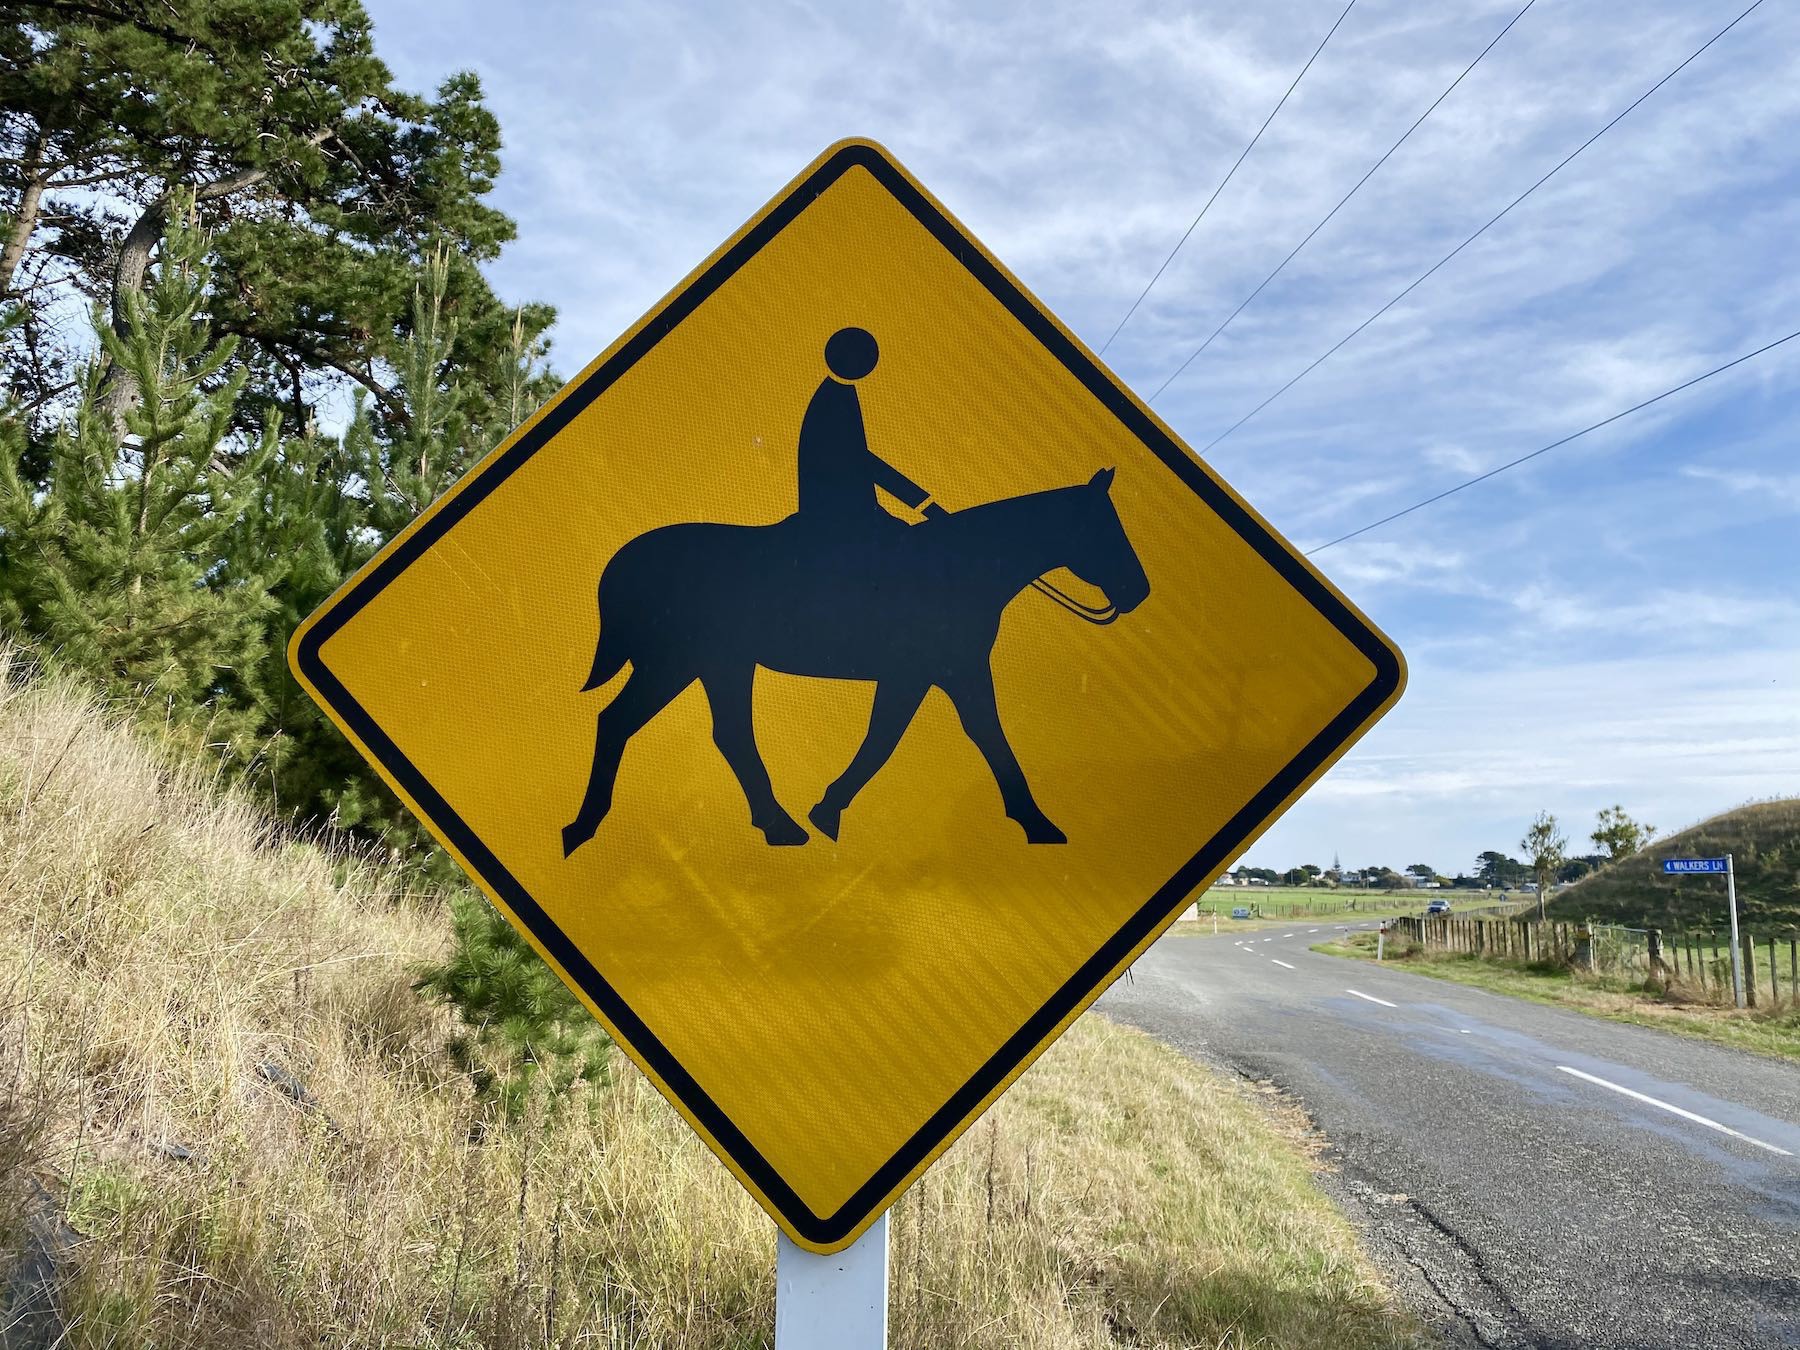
<point>1764,841</point>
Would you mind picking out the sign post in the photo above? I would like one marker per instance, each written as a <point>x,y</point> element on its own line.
<point>835,1302</point>
<point>1712,866</point>
<point>839,683</point>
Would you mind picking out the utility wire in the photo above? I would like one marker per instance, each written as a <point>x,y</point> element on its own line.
<point>1346,197</point>
<point>1546,449</point>
<point>1226,179</point>
<point>1566,160</point>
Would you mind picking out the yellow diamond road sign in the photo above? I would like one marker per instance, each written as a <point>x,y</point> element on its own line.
<point>840,682</point>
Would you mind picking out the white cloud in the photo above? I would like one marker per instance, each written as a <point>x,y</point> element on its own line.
<point>1781,489</point>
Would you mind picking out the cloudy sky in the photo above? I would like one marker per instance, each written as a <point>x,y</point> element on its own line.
<point>1616,621</point>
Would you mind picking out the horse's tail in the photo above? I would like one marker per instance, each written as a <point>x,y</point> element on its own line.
<point>610,655</point>
<point>609,660</point>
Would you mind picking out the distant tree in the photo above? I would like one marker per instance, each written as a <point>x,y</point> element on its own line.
<point>1311,869</point>
<point>1545,844</point>
<point>1497,869</point>
<point>1574,869</point>
<point>1619,834</point>
<point>1294,876</point>
<point>1422,870</point>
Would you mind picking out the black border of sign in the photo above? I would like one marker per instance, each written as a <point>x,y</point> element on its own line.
<point>832,1228</point>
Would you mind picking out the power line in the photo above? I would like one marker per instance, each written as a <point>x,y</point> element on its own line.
<point>1546,449</point>
<point>1226,179</point>
<point>1449,89</point>
<point>1494,220</point>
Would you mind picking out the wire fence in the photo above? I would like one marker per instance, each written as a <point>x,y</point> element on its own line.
<point>1697,963</point>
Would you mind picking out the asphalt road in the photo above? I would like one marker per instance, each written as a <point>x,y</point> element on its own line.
<point>1493,1149</point>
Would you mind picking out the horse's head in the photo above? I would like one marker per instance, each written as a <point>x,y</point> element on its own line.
<point>1098,550</point>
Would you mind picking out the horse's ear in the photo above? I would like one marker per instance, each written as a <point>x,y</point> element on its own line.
<point>1103,480</point>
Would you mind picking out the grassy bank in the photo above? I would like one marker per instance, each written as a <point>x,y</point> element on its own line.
<point>229,1118</point>
<point>1767,1031</point>
<point>1764,841</point>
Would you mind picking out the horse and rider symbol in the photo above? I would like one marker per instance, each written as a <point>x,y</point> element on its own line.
<point>843,590</point>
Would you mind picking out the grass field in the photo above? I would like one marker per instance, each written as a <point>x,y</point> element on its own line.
<point>1768,1031</point>
<point>169,965</point>
<point>1281,907</point>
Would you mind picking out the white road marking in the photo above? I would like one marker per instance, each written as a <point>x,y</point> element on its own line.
<point>1287,935</point>
<point>1281,963</point>
<point>1268,939</point>
<point>1382,1001</point>
<point>1672,1110</point>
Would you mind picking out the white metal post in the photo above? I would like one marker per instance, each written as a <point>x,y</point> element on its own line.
<point>836,1302</point>
<point>1737,956</point>
<point>1381,942</point>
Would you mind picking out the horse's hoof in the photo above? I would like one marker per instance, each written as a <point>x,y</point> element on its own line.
<point>573,837</point>
<point>1043,831</point>
<point>784,832</point>
<point>825,820</point>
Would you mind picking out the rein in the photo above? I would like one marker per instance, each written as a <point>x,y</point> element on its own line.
<point>1099,616</point>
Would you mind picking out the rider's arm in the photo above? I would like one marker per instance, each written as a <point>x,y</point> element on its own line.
<point>899,485</point>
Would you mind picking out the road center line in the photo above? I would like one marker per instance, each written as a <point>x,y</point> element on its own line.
<point>1672,1110</point>
<point>1281,963</point>
<point>1382,1001</point>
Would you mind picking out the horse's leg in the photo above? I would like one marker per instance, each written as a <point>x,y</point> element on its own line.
<point>895,703</point>
<point>644,694</point>
<point>734,732</point>
<point>973,695</point>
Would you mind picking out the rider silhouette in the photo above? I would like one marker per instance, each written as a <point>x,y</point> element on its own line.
<point>837,470</point>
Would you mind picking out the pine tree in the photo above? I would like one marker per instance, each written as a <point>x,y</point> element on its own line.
<point>522,1026</point>
<point>110,563</point>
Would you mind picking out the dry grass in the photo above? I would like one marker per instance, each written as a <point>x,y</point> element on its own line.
<point>160,945</point>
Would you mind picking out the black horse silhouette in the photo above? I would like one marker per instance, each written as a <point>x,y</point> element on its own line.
<point>907,607</point>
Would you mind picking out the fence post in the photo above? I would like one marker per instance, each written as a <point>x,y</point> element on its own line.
<point>1774,976</point>
<point>1794,968</point>
<point>1584,948</point>
<point>1658,971</point>
<point>1749,945</point>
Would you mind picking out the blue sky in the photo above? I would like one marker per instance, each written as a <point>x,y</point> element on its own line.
<point>1617,621</point>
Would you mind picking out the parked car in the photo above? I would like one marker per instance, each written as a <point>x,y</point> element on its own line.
<point>1437,907</point>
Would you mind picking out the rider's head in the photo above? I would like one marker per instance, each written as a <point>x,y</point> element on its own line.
<point>851,353</point>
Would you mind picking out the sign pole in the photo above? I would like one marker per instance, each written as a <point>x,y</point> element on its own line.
<point>1737,956</point>
<point>836,1302</point>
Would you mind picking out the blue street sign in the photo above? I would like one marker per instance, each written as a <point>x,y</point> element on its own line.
<point>1694,864</point>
